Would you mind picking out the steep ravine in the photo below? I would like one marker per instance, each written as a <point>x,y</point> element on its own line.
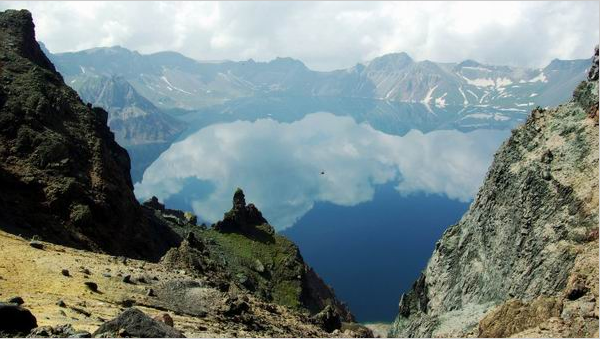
<point>523,261</point>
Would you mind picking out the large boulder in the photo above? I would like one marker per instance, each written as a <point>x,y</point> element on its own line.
<point>16,320</point>
<point>133,323</point>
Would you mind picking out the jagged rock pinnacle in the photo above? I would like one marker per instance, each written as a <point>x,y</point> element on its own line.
<point>243,218</point>
<point>238,201</point>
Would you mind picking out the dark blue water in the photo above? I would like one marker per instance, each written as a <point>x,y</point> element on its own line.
<point>372,252</point>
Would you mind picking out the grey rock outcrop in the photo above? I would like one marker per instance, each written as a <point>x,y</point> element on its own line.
<point>179,217</point>
<point>534,214</point>
<point>133,323</point>
<point>60,331</point>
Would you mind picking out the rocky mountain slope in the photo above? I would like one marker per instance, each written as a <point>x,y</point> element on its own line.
<point>56,284</point>
<point>523,261</point>
<point>139,126</point>
<point>241,281</point>
<point>65,181</point>
<point>243,251</point>
<point>64,178</point>
<point>132,118</point>
<point>171,80</point>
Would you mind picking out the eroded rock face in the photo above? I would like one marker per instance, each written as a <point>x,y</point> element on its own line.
<point>63,176</point>
<point>303,287</point>
<point>534,214</point>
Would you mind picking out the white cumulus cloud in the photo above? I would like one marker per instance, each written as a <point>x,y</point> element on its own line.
<point>326,35</point>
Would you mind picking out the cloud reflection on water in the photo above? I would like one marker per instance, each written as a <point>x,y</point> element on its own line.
<point>279,165</point>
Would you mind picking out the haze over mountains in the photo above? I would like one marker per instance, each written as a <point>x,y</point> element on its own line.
<point>139,126</point>
<point>171,80</point>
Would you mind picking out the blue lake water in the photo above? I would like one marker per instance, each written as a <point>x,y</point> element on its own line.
<point>365,203</point>
<point>372,252</point>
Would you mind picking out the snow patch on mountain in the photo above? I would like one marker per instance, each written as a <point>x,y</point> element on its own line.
<point>500,82</point>
<point>440,102</point>
<point>480,82</point>
<point>474,94</point>
<point>171,87</point>
<point>477,68</point>
<point>429,95</point>
<point>463,96</point>
<point>540,78</point>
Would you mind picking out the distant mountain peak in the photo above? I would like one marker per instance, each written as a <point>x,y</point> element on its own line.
<point>469,63</point>
<point>111,50</point>
<point>397,60</point>
<point>287,61</point>
<point>399,56</point>
<point>171,80</point>
<point>560,64</point>
<point>43,48</point>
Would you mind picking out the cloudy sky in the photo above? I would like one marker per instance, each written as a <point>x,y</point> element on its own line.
<point>326,35</point>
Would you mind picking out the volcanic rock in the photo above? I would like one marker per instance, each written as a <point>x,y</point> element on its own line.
<point>133,323</point>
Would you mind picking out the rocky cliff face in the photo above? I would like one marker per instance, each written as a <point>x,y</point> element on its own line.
<point>132,118</point>
<point>139,126</point>
<point>244,253</point>
<point>63,177</point>
<point>516,262</point>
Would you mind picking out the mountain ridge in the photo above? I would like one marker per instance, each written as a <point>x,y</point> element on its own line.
<point>387,77</point>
